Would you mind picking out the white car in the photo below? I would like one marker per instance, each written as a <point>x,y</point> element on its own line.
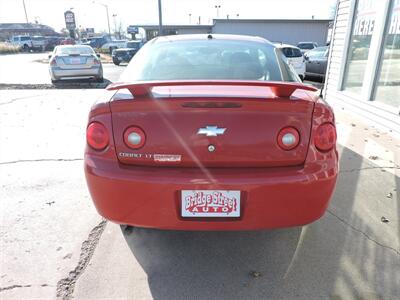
<point>295,58</point>
<point>28,43</point>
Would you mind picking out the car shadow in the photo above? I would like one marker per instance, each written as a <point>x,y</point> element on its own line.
<point>303,262</point>
<point>81,84</point>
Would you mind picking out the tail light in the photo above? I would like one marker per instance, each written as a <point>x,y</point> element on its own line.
<point>97,136</point>
<point>96,61</point>
<point>134,137</point>
<point>53,61</point>
<point>325,137</point>
<point>288,138</point>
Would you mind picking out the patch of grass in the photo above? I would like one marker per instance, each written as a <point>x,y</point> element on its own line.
<point>6,48</point>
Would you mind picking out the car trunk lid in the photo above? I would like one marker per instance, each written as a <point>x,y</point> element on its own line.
<point>212,124</point>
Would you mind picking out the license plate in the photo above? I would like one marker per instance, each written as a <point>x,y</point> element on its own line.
<point>75,61</point>
<point>210,203</point>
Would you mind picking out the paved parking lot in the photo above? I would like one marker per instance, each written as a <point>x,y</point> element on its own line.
<point>53,242</point>
<point>18,69</point>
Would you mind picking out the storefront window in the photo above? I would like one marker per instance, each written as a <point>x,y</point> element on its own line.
<point>360,43</point>
<point>388,85</point>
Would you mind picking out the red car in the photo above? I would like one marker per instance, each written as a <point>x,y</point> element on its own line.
<point>211,132</point>
<point>68,41</point>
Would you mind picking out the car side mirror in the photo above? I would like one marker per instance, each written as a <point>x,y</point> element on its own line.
<point>49,56</point>
<point>98,55</point>
<point>305,57</point>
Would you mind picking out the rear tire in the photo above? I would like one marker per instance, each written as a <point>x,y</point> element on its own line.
<point>25,48</point>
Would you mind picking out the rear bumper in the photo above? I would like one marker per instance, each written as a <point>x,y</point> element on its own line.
<point>270,197</point>
<point>58,73</point>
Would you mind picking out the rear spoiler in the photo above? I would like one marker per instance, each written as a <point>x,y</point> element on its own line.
<point>143,88</point>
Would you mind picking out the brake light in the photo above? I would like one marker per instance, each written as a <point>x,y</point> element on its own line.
<point>288,138</point>
<point>325,137</point>
<point>97,136</point>
<point>53,61</point>
<point>134,137</point>
<point>96,61</point>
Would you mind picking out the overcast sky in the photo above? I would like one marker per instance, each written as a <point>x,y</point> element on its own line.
<point>130,12</point>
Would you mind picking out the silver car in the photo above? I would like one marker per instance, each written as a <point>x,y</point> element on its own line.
<point>75,62</point>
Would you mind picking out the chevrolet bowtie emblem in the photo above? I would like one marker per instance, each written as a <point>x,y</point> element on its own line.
<point>211,131</point>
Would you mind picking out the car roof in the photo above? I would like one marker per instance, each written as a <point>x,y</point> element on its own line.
<point>320,48</point>
<point>200,37</point>
<point>279,45</point>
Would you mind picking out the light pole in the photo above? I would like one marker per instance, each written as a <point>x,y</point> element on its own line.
<point>217,7</point>
<point>115,25</point>
<point>26,15</point>
<point>190,18</point>
<point>160,27</point>
<point>108,16</point>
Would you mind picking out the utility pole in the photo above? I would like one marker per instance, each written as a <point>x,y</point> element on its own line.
<point>115,25</point>
<point>217,7</point>
<point>160,27</point>
<point>108,20</point>
<point>26,15</point>
<point>108,16</point>
<point>190,18</point>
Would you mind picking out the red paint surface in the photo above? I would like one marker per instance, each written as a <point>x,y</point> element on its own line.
<point>279,188</point>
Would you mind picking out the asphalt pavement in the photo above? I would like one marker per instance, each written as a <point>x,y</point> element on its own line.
<point>53,244</point>
<point>32,69</point>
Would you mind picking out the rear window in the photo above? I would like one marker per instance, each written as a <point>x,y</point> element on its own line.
<point>25,38</point>
<point>203,60</point>
<point>317,52</point>
<point>291,52</point>
<point>133,45</point>
<point>307,46</point>
<point>74,50</point>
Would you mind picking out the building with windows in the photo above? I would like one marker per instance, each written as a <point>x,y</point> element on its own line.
<point>287,31</point>
<point>7,30</point>
<point>364,60</point>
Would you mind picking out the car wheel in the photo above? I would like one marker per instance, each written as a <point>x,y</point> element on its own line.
<point>25,48</point>
<point>54,81</point>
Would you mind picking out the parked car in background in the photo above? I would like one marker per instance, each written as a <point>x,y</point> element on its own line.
<point>316,62</point>
<point>67,41</point>
<point>52,41</point>
<point>125,54</point>
<point>97,42</point>
<point>202,134</point>
<point>39,42</point>
<point>115,44</point>
<point>75,62</point>
<point>28,43</point>
<point>306,46</point>
<point>295,58</point>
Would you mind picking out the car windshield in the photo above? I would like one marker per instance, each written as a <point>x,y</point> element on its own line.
<point>25,38</point>
<point>207,59</point>
<point>306,46</point>
<point>317,52</point>
<point>71,50</point>
<point>133,45</point>
<point>291,52</point>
